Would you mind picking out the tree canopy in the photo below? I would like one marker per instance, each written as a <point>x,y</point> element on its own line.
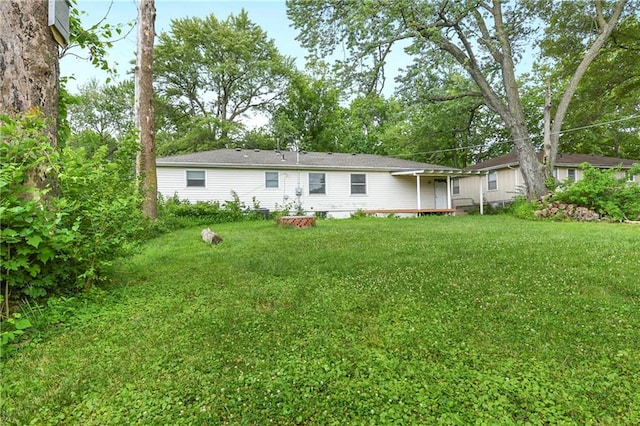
<point>485,39</point>
<point>606,101</point>
<point>213,75</point>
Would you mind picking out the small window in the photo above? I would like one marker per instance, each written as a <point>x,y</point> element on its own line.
<point>317,183</point>
<point>358,184</point>
<point>492,181</point>
<point>631,178</point>
<point>571,175</point>
<point>455,186</point>
<point>195,178</point>
<point>271,179</point>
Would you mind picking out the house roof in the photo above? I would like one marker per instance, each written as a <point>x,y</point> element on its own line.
<point>562,159</point>
<point>250,158</point>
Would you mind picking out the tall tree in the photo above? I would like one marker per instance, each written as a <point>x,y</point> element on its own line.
<point>29,68</point>
<point>486,38</point>
<point>101,114</point>
<point>146,159</point>
<point>214,74</point>
<point>310,118</point>
<point>604,29</point>
<point>606,100</point>
<point>377,125</point>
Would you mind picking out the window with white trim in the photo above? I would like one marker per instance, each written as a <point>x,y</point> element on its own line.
<point>571,175</point>
<point>196,179</point>
<point>271,180</point>
<point>317,183</point>
<point>455,186</point>
<point>492,181</point>
<point>358,184</point>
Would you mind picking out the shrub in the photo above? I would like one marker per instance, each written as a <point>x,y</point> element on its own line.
<point>63,234</point>
<point>522,208</point>
<point>604,192</point>
<point>13,327</point>
<point>176,213</point>
<point>36,226</point>
<point>102,197</point>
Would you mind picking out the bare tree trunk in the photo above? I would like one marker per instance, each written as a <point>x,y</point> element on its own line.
<point>546,121</point>
<point>146,159</point>
<point>29,68</point>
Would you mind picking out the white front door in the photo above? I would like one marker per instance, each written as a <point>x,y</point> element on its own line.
<point>441,193</point>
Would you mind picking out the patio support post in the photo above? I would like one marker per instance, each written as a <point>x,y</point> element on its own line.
<point>418,189</point>
<point>449,192</point>
<point>481,194</point>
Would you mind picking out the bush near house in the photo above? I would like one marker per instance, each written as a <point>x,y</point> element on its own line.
<point>602,191</point>
<point>600,194</point>
<point>175,213</point>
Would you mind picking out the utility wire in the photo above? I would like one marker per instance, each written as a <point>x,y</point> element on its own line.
<point>438,151</point>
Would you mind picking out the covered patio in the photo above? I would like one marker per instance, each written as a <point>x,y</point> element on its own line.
<point>442,181</point>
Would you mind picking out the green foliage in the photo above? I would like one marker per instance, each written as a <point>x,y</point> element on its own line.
<point>609,90</point>
<point>602,191</point>
<point>310,117</point>
<point>522,208</point>
<point>174,213</point>
<point>359,214</point>
<point>199,59</point>
<point>308,327</point>
<point>377,126</point>
<point>101,114</point>
<point>95,40</point>
<point>103,199</point>
<point>36,229</point>
<point>63,236</point>
<point>11,329</point>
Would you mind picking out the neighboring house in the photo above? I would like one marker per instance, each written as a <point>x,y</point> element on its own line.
<point>503,180</point>
<point>330,184</point>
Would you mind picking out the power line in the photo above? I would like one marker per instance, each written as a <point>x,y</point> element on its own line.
<point>599,124</point>
<point>575,129</point>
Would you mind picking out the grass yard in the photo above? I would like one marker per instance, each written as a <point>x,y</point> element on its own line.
<point>449,320</point>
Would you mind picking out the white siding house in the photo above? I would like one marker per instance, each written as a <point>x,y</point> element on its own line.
<point>502,180</point>
<point>329,184</point>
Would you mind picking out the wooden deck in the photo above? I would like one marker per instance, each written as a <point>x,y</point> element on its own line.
<point>419,212</point>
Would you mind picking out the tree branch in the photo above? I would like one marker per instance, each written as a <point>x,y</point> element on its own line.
<point>486,37</point>
<point>454,97</point>
<point>602,23</point>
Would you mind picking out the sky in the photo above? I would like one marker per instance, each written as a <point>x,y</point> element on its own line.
<point>269,14</point>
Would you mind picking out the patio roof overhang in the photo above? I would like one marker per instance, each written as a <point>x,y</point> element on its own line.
<point>439,173</point>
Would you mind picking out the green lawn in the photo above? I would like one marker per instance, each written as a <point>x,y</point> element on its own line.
<point>450,320</point>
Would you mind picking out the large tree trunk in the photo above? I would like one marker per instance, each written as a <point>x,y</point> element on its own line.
<point>146,159</point>
<point>29,68</point>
